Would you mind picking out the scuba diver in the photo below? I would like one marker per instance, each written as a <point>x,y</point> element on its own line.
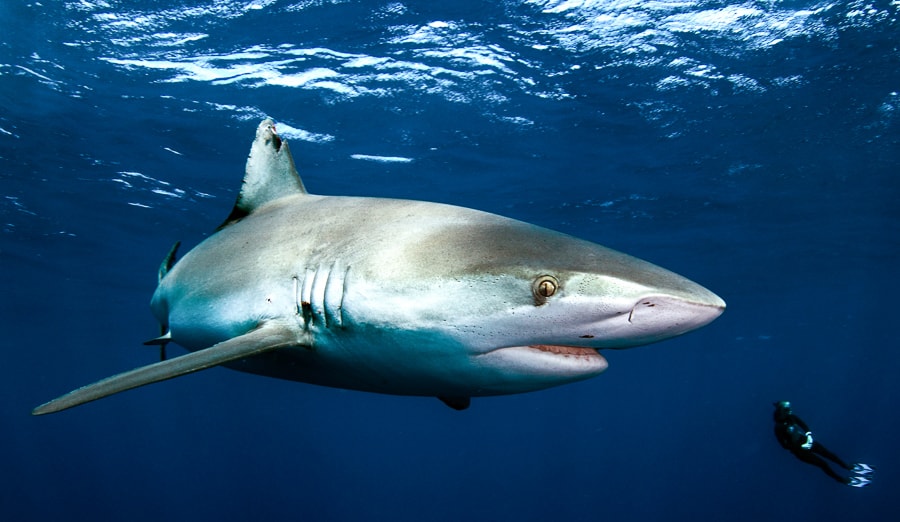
<point>794,436</point>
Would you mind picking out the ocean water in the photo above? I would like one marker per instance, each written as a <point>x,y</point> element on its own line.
<point>752,146</point>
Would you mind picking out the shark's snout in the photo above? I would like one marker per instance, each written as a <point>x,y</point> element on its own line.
<point>657,317</point>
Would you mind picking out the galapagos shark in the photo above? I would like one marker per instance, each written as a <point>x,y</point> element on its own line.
<point>399,297</point>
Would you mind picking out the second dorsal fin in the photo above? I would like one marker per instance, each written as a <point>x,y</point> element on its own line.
<point>270,173</point>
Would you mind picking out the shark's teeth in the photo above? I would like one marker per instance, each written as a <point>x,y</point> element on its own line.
<point>565,350</point>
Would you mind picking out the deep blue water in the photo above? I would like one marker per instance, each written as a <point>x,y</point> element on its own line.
<point>751,146</point>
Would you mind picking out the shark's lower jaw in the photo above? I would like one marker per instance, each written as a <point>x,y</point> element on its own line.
<point>541,365</point>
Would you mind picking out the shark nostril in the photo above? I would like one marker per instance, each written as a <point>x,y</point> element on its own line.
<point>647,303</point>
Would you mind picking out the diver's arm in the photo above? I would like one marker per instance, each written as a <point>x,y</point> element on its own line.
<point>799,422</point>
<point>809,439</point>
<point>782,436</point>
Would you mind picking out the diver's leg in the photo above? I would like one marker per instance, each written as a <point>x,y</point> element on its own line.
<point>815,460</point>
<point>822,450</point>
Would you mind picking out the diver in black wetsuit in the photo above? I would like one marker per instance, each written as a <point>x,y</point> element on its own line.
<point>794,436</point>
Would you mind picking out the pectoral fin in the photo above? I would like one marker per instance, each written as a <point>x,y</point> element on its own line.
<point>265,338</point>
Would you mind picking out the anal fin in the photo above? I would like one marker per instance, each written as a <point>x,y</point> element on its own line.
<point>266,337</point>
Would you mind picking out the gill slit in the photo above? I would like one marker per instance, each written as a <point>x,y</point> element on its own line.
<point>320,295</point>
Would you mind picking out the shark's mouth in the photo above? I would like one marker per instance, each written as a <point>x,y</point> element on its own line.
<point>566,350</point>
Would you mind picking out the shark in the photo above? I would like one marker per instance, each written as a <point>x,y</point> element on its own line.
<point>398,296</point>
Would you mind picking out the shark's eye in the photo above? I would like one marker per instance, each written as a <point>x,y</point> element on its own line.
<point>544,287</point>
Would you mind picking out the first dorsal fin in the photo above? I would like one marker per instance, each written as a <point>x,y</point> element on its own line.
<point>270,173</point>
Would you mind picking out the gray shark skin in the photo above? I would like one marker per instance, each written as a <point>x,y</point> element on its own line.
<point>399,297</point>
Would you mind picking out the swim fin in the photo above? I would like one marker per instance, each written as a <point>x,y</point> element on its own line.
<point>862,469</point>
<point>858,482</point>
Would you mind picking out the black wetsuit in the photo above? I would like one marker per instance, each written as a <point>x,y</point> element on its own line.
<point>791,433</point>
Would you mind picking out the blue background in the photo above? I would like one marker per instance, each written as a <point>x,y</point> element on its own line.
<point>753,147</point>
